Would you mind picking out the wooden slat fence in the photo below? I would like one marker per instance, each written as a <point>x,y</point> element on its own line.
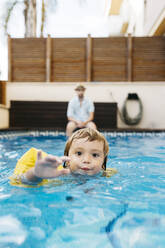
<point>86,59</point>
<point>2,92</point>
<point>109,61</point>
<point>148,59</point>
<point>28,60</point>
<point>68,60</point>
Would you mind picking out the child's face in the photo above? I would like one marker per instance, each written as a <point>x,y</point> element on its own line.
<point>86,157</point>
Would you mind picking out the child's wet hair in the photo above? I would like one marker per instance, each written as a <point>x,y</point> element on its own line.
<point>91,135</point>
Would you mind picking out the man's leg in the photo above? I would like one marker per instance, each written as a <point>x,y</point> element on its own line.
<point>91,124</point>
<point>70,128</point>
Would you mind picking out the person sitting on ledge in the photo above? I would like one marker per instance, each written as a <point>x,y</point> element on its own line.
<point>80,111</point>
<point>85,153</point>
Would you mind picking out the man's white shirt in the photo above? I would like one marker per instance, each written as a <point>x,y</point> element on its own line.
<point>80,112</point>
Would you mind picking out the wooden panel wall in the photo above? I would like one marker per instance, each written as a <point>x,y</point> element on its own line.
<point>68,60</point>
<point>148,59</point>
<point>2,92</point>
<point>109,61</point>
<point>29,114</point>
<point>28,60</point>
<point>86,59</point>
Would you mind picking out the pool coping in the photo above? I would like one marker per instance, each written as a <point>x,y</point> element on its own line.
<point>36,132</point>
<point>137,130</point>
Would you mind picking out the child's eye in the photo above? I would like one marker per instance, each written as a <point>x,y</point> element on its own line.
<point>95,155</point>
<point>79,153</point>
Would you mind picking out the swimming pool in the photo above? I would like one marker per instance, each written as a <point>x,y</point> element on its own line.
<point>124,211</point>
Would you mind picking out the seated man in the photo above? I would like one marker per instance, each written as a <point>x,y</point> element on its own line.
<point>80,112</point>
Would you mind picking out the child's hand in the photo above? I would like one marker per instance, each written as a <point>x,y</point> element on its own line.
<point>47,167</point>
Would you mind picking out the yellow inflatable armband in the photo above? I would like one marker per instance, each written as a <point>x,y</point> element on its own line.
<point>26,162</point>
<point>109,172</point>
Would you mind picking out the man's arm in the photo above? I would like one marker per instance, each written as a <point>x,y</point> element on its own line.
<point>91,109</point>
<point>72,119</point>
<point>91,117</point>
<point>70,112</point>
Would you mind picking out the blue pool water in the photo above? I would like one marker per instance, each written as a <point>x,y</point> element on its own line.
<point>124,211</point>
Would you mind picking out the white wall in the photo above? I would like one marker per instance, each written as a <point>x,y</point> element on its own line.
<point>152,95</point>
<point>4,117</point>
<point>153,12</point>
<point>135,10</point>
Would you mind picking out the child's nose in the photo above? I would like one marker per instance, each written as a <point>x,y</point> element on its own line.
<point>86,158</point>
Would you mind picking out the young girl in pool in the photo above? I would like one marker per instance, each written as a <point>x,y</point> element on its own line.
<point>85,153</point>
